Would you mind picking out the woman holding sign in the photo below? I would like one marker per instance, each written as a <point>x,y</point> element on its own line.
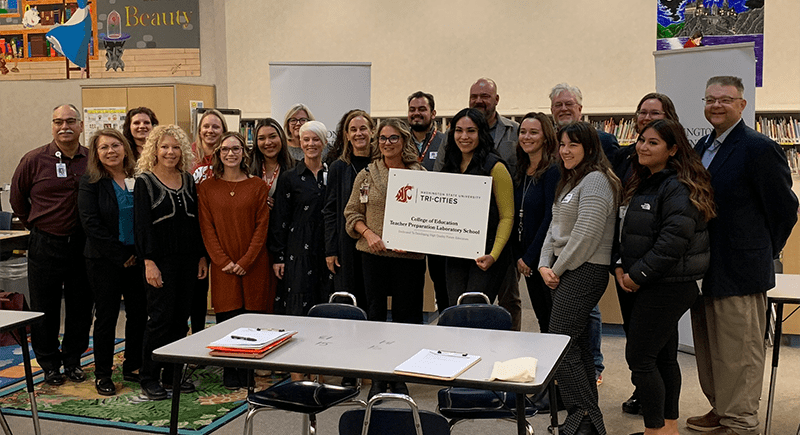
<point>470,150</point>
<point>574,264</point>
<point>386,272</point>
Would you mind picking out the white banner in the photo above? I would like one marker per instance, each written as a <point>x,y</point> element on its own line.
<point>328,89</point>
<point>437,213</point>
<point>682,75</point>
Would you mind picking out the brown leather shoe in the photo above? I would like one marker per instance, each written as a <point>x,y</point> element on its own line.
<point>704,423</point>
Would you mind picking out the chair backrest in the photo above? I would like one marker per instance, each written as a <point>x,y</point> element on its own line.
<point>473,298</point>
<point>343,297</point>
<point>381,421</point>
<point>5,220</point>
<point>481,316</point>
<point>337,311</point>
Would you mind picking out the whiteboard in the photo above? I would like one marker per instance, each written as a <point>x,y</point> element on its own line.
<point>329,89</point>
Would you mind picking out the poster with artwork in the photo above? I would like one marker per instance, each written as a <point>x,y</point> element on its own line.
<point>683,24</point>
<point>98,118</point>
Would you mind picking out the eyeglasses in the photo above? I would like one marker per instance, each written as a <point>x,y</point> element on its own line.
<point>652,113</point>
<point>234,150</point>
<point>301,121</point>
<point>393,139</point>
<point>726,101</point>
<point>568,105</point>
<point>69,121</point>
<point>106,148</point>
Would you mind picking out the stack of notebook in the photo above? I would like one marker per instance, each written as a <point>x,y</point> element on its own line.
<point>250,342</point>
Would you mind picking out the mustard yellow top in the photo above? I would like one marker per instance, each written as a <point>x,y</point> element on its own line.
<point>503,190</point>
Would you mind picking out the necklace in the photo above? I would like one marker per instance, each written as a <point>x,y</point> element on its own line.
<point>271,179</point>
<point>525,186</point>
<point>235,185</point>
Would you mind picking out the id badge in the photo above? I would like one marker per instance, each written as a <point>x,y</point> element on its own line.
<point>567,199</point>
<point>61,170</point>
<point>129,183</point>
<point>363,193</point>
<point>433,154</point>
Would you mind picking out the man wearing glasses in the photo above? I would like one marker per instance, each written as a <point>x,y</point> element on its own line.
<point>44,193</point>
<point>756,211</point>
<point>566,105</point>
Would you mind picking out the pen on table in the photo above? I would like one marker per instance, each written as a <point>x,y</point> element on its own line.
<point>236,337</point>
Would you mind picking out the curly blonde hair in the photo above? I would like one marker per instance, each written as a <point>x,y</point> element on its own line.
<point>149,158</point>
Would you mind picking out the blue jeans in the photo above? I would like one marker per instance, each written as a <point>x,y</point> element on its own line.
<point>595,328</point>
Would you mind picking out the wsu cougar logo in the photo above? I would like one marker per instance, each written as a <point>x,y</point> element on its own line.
<point>404,194</point>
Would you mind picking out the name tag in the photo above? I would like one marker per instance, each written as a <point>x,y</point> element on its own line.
<point>646,206</point>
<point>129,183</point>
<point>61,170</point>
<point>432,155</point>
<point>567,198</point>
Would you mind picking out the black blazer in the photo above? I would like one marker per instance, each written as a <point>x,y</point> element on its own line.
<point>99,213</point>
<point>756,210</point>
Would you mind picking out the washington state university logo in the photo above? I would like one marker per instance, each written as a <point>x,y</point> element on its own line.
<point>404,194</point>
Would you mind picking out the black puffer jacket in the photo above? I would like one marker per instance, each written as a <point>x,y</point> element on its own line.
<point>664,237</point>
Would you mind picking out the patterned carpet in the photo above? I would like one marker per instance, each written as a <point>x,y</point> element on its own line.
<point>200,413</point>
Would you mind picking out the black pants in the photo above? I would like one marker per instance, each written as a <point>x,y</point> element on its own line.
<point>55,268</point>
<point>652,348</point>
<point>200,304</point>
<point>168,312</point>
<point>109,282</point>
<point>541,299</point>
<point>464,275</point>
<point>402,279</point>
<point>437,272</point>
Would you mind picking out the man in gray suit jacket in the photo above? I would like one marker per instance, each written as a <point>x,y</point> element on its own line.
<point>756,210</point>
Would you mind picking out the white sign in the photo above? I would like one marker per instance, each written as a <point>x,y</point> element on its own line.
<point>437,213</point>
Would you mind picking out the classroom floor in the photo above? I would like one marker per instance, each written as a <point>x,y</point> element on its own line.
<point>616,388</point>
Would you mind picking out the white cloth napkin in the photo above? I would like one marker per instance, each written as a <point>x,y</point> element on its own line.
<point>515,370</point>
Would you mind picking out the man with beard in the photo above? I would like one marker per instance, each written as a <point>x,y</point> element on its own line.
<point>483,96</point>
<point>421,114</point>
<point>44,195</point>
<point>429,143</point>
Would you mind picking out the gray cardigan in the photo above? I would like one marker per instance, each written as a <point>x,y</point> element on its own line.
<point>582,229</point>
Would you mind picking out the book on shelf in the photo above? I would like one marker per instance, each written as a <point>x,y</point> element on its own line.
<point>624,130</point>
<point>785,131</point>
<point>250,342</point>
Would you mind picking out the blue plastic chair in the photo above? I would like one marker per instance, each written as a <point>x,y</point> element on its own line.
<point>308,397</point>
<point>460,404</point>
<point>395,421</point>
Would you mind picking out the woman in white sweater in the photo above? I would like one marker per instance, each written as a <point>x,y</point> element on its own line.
<point>574,264</point>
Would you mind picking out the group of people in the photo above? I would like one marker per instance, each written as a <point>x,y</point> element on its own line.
<point>280,227</point>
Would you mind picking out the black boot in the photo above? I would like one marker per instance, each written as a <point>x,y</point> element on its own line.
<point>586,427</point>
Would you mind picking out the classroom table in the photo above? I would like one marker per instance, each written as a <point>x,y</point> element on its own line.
<point>18,320</point>
<point>13,239</point>
<point>360,349</point>
<point>786,291</point>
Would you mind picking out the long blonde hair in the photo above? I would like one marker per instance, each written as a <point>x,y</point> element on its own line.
<point>149,158</point>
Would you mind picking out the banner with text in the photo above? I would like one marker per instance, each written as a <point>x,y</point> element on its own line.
<point>437,213</point>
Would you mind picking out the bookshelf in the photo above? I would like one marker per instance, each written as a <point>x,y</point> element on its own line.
<point>21,43</point>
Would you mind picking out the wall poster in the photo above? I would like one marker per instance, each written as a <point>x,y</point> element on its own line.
<point>690,23</point>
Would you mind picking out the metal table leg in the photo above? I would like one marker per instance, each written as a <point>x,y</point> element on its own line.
<point>177,375</point>
<point>553,407</point>
<point>22,338</point>
<point>776,349</point>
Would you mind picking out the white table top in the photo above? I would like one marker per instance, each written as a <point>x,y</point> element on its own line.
<point>787,288</point>
<point>373,349</point>
<point>10,319</point>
